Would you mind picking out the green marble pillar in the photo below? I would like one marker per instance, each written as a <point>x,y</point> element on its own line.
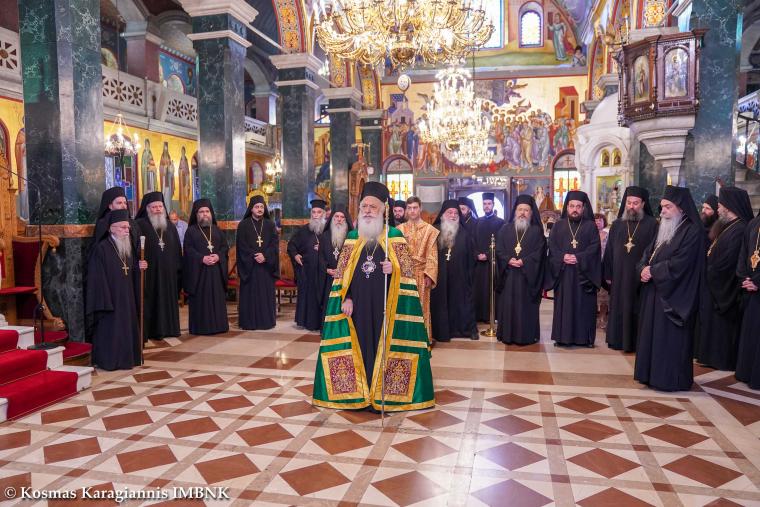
<point>220,41</point>
<point>343,108</point>
<point>63,118</point>
<point>298,83</point>
<point>371,127</point>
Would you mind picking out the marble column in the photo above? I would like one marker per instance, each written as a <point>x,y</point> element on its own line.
<point>298,84</point>
<point>371,127</point>
<point>343,108</point>
<point>219,38</point>
<point>713,131</point>
<point>63,118</point>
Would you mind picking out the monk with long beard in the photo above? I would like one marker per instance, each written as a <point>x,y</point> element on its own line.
<point>350,369</point>
<point>303,249</point>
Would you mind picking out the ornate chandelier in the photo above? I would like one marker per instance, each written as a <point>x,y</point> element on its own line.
<point>472,153</point>
<point>454,113</point>
<point>120,143</point>
<point>368,31</point>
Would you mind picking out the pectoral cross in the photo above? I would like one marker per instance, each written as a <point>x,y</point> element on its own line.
<point>259,242</point>
<point>574,242</point>
<point>210,247</point>
<point>755,259</point>
<point>629,245</point>
<point>125,268</point>
<point>448,255</point>
<point>518,249</point>
<point>161,244</point>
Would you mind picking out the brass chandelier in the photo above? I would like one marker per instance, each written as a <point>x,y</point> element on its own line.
<point>368,31</point>
<point>454,113</point>
<point>472,152</point>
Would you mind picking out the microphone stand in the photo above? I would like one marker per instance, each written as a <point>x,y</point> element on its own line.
<point>39,310</point>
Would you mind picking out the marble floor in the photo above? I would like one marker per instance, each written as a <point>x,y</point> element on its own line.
<point>513,426</point>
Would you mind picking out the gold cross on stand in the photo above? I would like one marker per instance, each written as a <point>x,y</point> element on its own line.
<point>629,245</point>
<point>448,255</point>
<point>259,242</point>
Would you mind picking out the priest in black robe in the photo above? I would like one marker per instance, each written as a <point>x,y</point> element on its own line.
<point>748,271</point>
<point>164,274</point>
<point>720,312</point>
<point>113,278</point>
<point>452,305</point>
<point>258,267</point>
<point>204,271</point>
<point>709,215</point>
<point>574,272</point>
<point>336,230</point>
<point>399,212</point>
<point>303,249</point>
<point>670,271</point>
<point>112,199</point>
<point>629,236</point>
<point>469,216</point>
<point>521,258</point>
<point>488,226</point>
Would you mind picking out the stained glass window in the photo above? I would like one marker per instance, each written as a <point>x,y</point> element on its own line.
<point>494,11</point>
<point>530,29</point>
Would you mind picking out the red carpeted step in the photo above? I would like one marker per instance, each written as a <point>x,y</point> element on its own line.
<point>51,336</point>
<point>17,364</point>
<point>76,349</point>
<point>8,339</point>
<point>32,393</point>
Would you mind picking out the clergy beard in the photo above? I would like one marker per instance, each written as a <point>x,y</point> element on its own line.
<point>708,221</point>
<point>123,246</point>
<point>317,225</point>
<point>521,225</point>
<point>630,215</point>
<point>204,222</point>
<point>668,228</point>
<point>158,221</point>
<point>718,227</point>
<point>370,228</point>
<point>338,234</point>
<point>448,233</point>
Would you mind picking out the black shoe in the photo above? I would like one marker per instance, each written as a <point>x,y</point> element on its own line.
<point>475,336</point>
<point>372,410</point>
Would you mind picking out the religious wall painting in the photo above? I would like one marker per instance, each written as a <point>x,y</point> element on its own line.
<point>185,184</point>
<point>148,170</point>
<point>604,159</point>
<point>322,166</point>
<point>22,198</point>
<point>653,13</point>
<point>166,173</point>
<point>617,157</point>
<point>676,73</point>
<point>255,175</point>
<point>641,80</point>
<point>537,187</point>
<point>120,172</point>
<point>108,59</point>
<point>176,74</point>
<point>195,172</point>
<point>609,193</point>
<point>565,175</point>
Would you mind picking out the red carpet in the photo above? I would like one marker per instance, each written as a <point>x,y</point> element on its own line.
<point>32,393</point>
<point>17,364</point>
<point>8,340</point>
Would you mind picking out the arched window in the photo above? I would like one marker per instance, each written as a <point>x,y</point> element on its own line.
<point>531,25</point>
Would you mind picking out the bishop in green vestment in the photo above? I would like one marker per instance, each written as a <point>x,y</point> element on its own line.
<point>350,368</point>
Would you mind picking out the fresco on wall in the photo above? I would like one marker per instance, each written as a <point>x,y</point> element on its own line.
<point>524,144</point>
<point>176,74</point>
<point>322,165</point>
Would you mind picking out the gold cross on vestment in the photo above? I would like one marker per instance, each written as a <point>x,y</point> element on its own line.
<point>574,242</point>
<point>629,245</point>
<point>125,268</point>
<point>518,249</point>
<point>259,242</point>
<point>448,255</point>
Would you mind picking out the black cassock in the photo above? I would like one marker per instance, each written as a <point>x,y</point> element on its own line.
<point>575,286</point>
<point>748,362</point>
<point>470,224</point>
<point>101,227</point>
<point>486,227</point>
<point>452,308</point>
<point>310,283</point>
<point>367,294</point>
<point>112,304</point>
<point>328,259</point>
<point>162,280</point>
<point>668,306</point>
<point>720,314</point>
<point>257,308</point>
<point>620,269</point>
<point>520,289</point>
<point>206,286</point>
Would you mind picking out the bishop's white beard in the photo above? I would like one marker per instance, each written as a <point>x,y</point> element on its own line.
<point>633,216</point>
<point>668,227</point>
<point>521,225</point>
<point>371,228</point>
<point>448,235</point>
<point>338,234</point>
<point>123,247</point>
<point>158,221</point>
<point>317,225</point>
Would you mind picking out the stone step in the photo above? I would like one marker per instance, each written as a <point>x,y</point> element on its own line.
<point>25,335</point>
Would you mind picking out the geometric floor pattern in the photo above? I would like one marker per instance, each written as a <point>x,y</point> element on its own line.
<point>526,427</point>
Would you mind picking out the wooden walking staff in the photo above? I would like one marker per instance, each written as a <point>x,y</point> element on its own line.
<point>385,323</point>
<point>142,301</point>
